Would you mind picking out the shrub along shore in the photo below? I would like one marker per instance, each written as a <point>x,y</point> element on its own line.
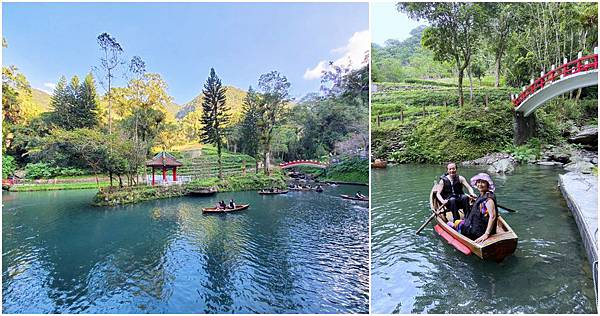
<point>112,196</point>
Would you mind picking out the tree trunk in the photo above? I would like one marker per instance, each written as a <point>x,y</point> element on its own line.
<point>470,85</point>
<point>498,64</point>
<point>256,166</point>
<point>219,160</point>
<point>461,74</point>
<point>266,166</point>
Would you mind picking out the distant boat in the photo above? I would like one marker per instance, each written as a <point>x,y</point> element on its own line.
<point>225,210</point>
<point>348,197</point>
<point>202,192</point>
<point>272,192</point>
<point>379,164</point>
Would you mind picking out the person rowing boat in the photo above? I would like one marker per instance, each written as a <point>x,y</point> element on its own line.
<point>450,192</point>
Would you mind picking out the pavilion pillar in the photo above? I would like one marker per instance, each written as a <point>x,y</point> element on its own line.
<point>164,170</point>
<point>153,176</point>
<point>174,174</point>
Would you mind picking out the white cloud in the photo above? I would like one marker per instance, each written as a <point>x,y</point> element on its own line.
<point>48,87</point>
<point>353,55</point>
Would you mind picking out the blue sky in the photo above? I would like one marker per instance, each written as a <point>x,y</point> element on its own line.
<point>388,23</point>
<point>182,41</point>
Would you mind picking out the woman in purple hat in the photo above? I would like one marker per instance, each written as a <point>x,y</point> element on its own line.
<point>480,223</point>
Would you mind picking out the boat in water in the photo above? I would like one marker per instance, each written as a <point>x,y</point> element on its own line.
<point>348,197</point>
<point>497,247</point>
<point>225,210</point>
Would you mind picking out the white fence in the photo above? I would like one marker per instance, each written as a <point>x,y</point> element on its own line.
<point>158,180</point>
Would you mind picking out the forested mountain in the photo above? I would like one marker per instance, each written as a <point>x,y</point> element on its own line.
<point>41,100</point>
<point>234,96</point>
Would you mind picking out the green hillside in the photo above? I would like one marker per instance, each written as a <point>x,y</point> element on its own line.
<point>235,99</point>
<point>41,100</point>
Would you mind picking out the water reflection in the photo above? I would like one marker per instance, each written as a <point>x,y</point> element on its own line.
<point>302,252</point>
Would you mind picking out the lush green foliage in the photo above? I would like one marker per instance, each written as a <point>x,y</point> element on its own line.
<point>75,105</point>
<point>8,166</point>
<point>527,152</point>
<point>460,134</point>
<point>250,181</point>
<point>42,170</point>
<point>355,170</point>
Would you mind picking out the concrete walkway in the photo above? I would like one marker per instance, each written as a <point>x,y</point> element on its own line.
<point>581,193</point>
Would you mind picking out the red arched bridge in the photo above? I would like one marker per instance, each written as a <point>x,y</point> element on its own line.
<point>579,73</point>
<point>311,163</point>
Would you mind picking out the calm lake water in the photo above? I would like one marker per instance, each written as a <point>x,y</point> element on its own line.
<point>549,272</point>
<point>304,252</point>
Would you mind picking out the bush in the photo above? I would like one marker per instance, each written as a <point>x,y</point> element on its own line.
<point>460,134</point>
<point>9,166</point>
<point>42,170</point>
<point>525,153</point>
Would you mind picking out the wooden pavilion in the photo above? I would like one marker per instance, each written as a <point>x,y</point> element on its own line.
<point>164,161</point>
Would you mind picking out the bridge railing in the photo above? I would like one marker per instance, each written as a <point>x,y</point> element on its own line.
<point>581,64</point>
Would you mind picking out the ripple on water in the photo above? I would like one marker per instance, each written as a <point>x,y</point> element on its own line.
<point>304,252</point>
<point>422,274</point>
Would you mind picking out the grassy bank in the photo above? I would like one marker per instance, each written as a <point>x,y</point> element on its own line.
<point>111,196</point>
<point>354,170</point>
<point>58,186</point>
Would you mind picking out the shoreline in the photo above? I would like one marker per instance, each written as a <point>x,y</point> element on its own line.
<point>580,191</point>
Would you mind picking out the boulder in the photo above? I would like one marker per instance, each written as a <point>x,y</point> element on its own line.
<point>502,166</point>
<point>550,163</point>
<point>580,165</point>
<point>489,159</point>
<point>588,137</point>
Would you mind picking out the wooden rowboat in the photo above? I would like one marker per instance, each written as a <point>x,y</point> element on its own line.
<point>226,210</point>
<point>348,197</point>
<point>379,164</point>
<point>497,247</point>
<point>270,193</point>
<point>204,192</point>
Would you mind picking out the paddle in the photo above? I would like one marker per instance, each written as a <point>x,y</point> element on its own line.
<point>433,215</point>
<point>506,208</point>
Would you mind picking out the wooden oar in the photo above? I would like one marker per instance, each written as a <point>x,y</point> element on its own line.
<point>506,208</point>
<point>433,215</point>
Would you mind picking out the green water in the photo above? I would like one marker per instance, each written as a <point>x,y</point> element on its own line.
<point>304,252</point>
<point>549,272</point>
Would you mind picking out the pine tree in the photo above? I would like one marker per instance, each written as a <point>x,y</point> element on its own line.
<point>88,103</point>
<point>214,114</point>
<point>249,126</point>
<point>59,101</point>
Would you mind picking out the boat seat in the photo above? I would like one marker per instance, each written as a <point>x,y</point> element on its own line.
<point>451,218</point>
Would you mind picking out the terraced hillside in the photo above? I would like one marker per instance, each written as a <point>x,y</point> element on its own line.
<point>399,111</point>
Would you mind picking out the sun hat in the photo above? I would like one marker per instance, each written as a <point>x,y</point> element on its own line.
<point>485,177</point>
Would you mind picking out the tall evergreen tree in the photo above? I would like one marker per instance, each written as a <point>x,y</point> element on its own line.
<point>58,101</point>
<point>214,114</point>
<point>88,103</point>
<point>249,126</point>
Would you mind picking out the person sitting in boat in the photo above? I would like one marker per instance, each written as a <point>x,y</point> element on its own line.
<point>359,195</point>
<point>221,205</point>
<point>231,204</point>
<point>480,223</point>
<point>450,192</point>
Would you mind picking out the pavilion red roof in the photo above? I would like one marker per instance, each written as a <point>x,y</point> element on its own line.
<point>163,159</point>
